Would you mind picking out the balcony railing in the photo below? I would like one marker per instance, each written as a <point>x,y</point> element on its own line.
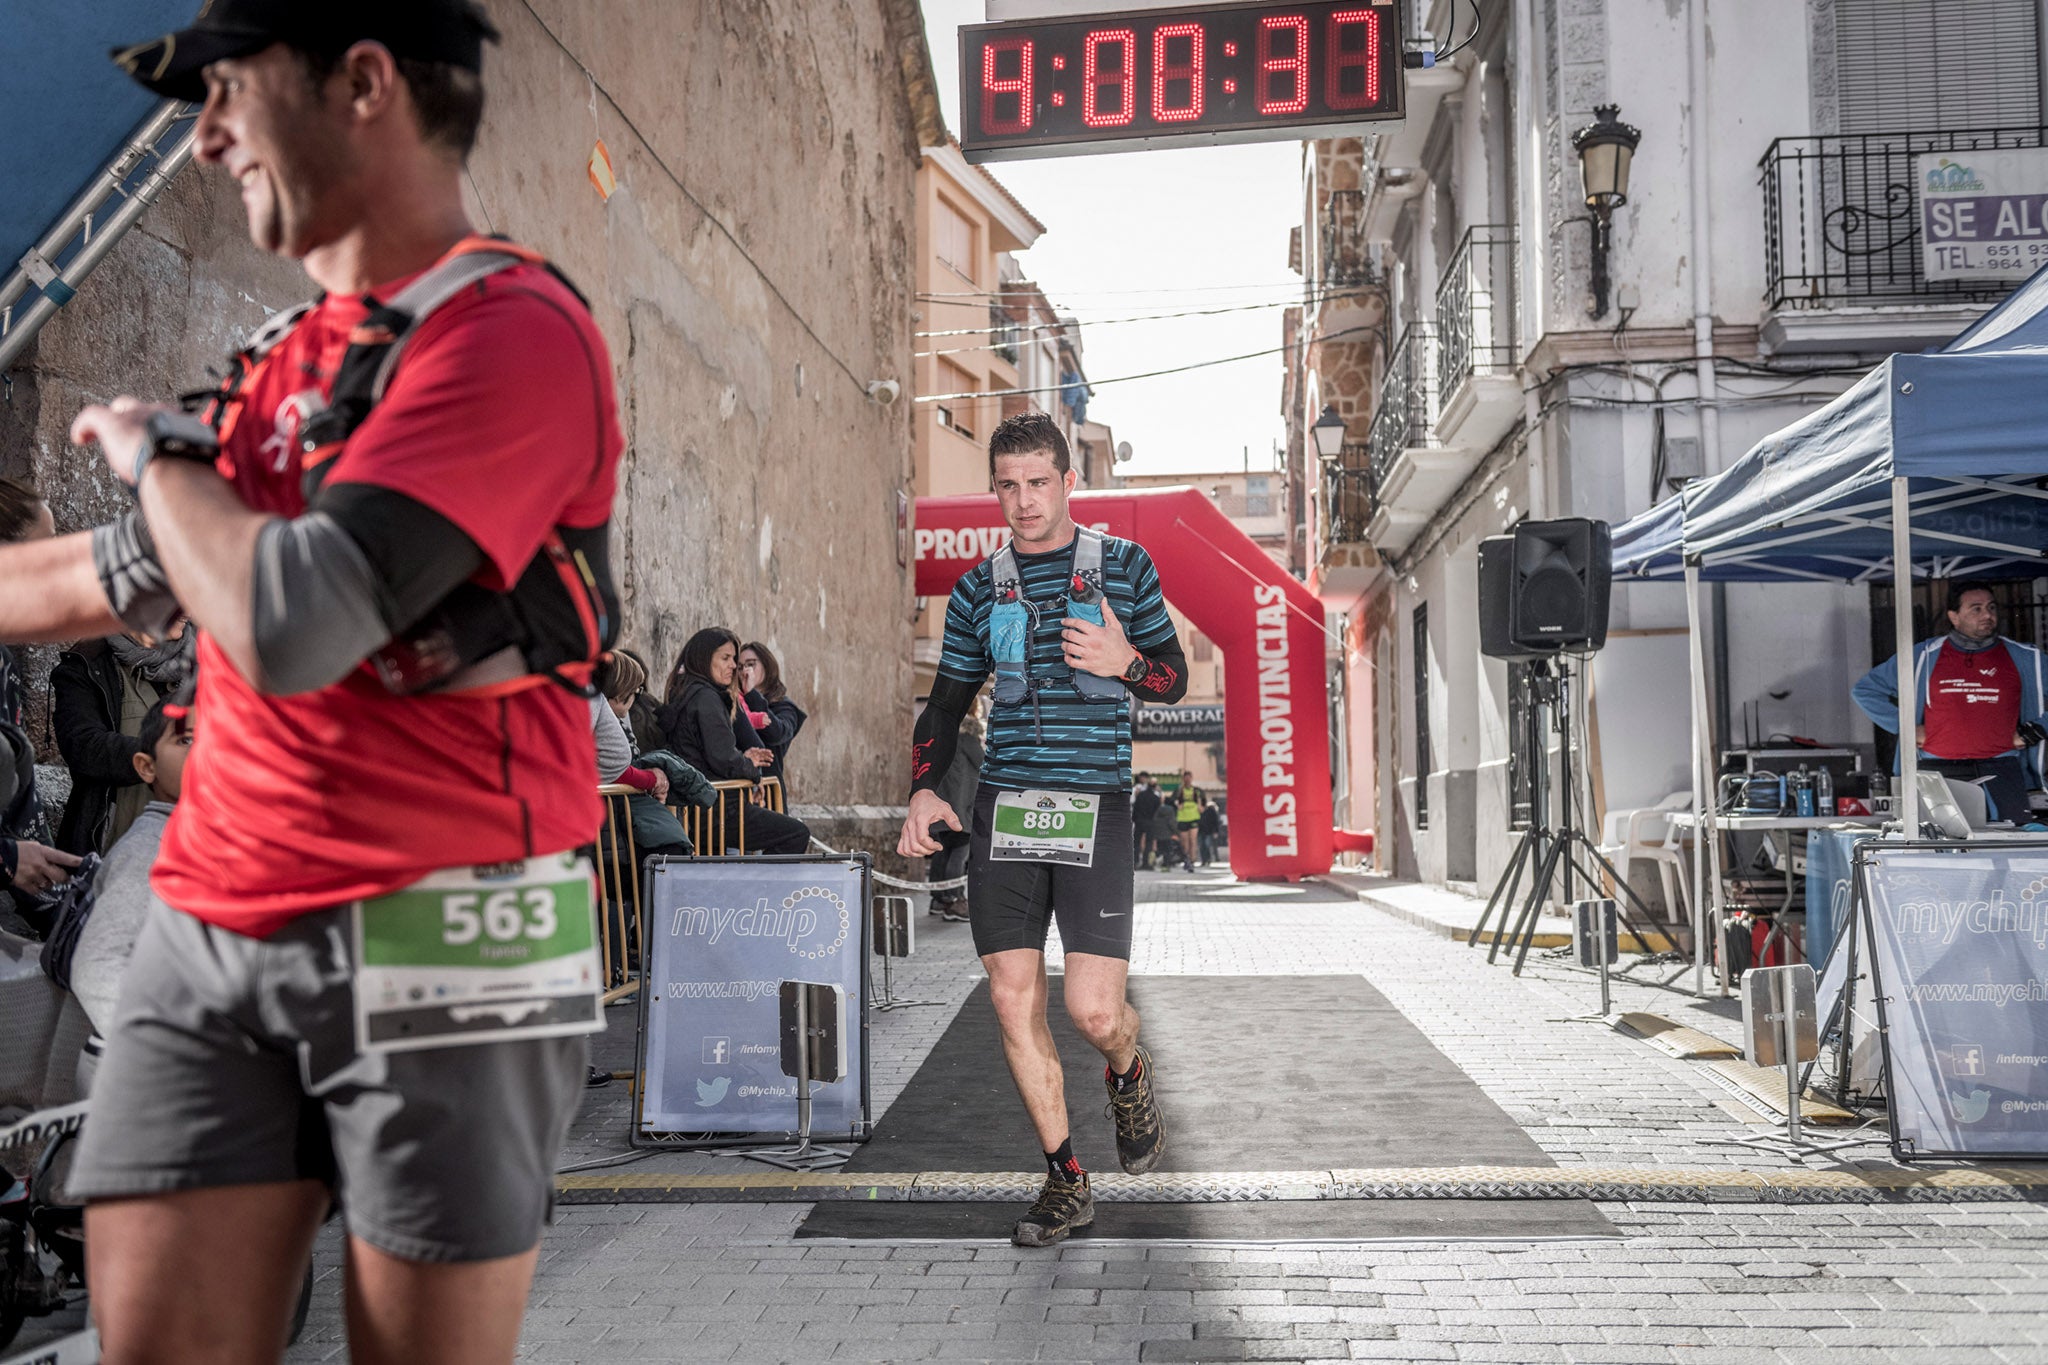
<point>1406,416</point>
<point>1347,503</point>
<point>1475,308</point>
<point>1345,261</point>
<point>1842,218</point>
<point>1003,332</point>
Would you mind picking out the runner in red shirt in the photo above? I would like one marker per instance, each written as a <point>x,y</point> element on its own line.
<point>393,543</point>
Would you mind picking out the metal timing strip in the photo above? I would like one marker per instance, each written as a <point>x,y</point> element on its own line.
<point>1615,1184</point>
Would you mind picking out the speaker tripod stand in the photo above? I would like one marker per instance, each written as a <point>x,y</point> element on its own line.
<point>1551,855</point>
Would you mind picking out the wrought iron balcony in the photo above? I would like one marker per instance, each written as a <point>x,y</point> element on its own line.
<point>1842,218</point>
<point>1345,261</point>
<point>1476,308</point>
<point>1347,503</point>
<point>1406,416</point>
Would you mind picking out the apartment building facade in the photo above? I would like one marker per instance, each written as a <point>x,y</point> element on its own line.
<point>1453,320</point>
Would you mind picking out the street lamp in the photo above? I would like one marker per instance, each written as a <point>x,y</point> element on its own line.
<point>1329,434</point>
<point>1605,148</point>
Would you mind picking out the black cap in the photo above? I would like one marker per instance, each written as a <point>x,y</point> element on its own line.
<point>451,31</point>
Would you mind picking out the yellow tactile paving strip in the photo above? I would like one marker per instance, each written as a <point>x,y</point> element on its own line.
<point>1611,1183</point>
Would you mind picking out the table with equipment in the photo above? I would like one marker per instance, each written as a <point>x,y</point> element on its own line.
<point>1799,826</point>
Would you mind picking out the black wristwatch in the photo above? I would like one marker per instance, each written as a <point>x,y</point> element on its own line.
<point>1140,666</point>
<point>177,436</point>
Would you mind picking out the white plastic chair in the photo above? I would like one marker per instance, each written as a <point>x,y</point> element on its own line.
<point>1648,833</point>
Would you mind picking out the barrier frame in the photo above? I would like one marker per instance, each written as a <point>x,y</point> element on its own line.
<point>859,1016</point>
<point>1903,1149</point>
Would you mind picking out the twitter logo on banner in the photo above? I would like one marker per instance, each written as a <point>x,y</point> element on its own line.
<point>710,1093</point>
<point>1968,1110</point>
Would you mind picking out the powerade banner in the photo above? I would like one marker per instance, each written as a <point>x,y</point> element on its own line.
<point>1984,214</point>
<point>723,934</point>
<point>1959,942</point>
<point>1187,724</point>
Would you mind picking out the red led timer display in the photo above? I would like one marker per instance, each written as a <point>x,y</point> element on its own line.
<point>1230,72</point>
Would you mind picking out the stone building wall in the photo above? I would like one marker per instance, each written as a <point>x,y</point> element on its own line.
<point>752,272</point>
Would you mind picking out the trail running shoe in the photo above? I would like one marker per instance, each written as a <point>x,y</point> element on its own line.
<point>1140,1133</point>
<point>1062,1206</point>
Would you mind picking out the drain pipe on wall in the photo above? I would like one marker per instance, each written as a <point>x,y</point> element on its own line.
<point>1703,321</point>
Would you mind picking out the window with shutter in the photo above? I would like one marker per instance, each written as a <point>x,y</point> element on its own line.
<point>1928,65</point>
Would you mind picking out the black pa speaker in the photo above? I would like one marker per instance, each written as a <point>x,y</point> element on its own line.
<point>1561,573</point>
<point>1497,603</point>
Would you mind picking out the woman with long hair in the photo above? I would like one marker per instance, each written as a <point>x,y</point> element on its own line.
<point>699,721</point>
<point>761,683</point>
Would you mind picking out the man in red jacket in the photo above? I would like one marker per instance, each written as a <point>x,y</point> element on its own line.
<point>389,528</point>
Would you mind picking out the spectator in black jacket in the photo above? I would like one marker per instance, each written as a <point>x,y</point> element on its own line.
<point>1210,830</point>
<point>761,683</point>
<point>29,864</point>
<point>698,723</point>
<point>1144,808</point>
<point>100,692</point>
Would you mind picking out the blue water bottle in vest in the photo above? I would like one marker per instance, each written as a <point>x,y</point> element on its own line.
<point>1009,633</point>
<point>1084,603</point>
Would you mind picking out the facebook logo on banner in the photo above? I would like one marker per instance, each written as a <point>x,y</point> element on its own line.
<point>717,1051</point>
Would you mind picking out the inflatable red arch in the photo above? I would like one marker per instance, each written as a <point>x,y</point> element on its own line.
<point>1268,625</point>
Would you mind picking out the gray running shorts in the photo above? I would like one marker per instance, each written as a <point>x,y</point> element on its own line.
<point>1013,904</point>
<point>232,1061</point>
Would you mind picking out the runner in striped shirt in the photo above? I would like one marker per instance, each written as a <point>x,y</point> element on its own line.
<point>1072,623</point>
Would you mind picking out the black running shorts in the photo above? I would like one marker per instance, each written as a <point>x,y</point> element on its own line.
<point>1012,904</point>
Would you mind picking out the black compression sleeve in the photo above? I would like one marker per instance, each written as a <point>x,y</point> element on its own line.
<point>417,555</point>
<point>1166,679</point>
<point>938,731</point>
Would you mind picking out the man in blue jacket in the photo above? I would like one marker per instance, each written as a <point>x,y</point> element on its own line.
<point>1977,702</point>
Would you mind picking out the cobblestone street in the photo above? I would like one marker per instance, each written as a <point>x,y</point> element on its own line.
<point>1734,1282</point>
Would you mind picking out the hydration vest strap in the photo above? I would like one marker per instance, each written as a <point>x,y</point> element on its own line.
<point>1084,602</point>
<point>472,260</point>
<point>1012,619</point>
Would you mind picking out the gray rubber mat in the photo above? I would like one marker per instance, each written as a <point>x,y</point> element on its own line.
<point>1253,1074</point>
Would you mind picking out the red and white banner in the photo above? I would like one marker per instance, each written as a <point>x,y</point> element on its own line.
<point>1268,625</point>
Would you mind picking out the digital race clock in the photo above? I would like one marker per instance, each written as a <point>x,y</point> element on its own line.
<point>1167,77</point>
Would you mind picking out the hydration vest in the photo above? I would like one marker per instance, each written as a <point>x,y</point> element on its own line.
<point>562,613</point>
<point>1013,619</point>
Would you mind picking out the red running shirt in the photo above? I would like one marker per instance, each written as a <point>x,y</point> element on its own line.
<point>501,417</point>
<point>1973,703</point>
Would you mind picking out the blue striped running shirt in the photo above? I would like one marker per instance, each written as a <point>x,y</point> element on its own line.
<point>1065,742</point>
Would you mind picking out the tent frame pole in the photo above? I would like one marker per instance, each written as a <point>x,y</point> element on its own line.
<point>1702,793</point>
<point>1909,676</point>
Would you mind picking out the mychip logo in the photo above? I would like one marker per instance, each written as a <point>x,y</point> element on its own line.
<point>812,920</point>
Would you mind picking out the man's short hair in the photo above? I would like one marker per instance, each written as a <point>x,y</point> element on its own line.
<point>1967,585</point>
<point>1028,433</point>
<point>448,99</point>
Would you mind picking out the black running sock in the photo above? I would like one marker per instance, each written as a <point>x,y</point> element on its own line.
<point>1063,1163</point>
<point>1124,1080</point>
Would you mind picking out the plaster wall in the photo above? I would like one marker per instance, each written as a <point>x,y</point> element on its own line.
<point>751,273</point>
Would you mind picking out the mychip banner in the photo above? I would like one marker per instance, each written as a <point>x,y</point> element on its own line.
<point>1983,214</point>
<point>723,934</point>
<point>1958,938</point>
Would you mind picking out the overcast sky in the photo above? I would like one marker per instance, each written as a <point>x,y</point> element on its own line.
<point>1190,228</point>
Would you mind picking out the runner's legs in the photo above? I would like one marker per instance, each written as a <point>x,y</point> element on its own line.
<point>1017,987</point>
<point>1096,1004</point>
<point>468,1313</point>
<point>239,1253</point>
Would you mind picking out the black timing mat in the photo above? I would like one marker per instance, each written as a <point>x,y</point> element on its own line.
<point>1254,1073</point>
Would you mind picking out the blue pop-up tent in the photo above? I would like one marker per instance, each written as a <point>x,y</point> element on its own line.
<point>1936,460</point>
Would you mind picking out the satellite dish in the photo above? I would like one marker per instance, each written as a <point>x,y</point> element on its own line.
<point>1123,451</point>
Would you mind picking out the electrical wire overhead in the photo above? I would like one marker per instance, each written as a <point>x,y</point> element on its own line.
<point>1149,374</point>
